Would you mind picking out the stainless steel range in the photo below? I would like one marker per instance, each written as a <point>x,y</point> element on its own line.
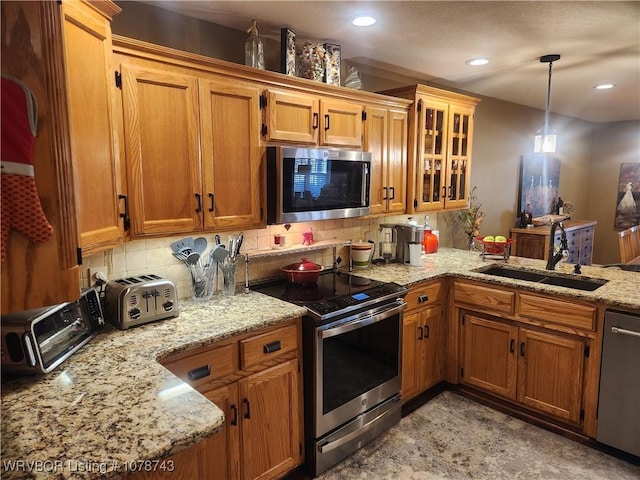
<point>352,355</point>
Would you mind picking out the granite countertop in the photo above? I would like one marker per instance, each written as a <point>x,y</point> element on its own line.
<point>113,403</point>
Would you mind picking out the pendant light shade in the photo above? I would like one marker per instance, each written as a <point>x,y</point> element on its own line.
<point>545,139</point>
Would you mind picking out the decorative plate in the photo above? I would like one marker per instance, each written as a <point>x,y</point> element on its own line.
<point>569,208</point>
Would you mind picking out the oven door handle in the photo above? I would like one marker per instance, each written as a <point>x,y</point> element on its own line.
<point>327,447</point>
<point>367,318</point>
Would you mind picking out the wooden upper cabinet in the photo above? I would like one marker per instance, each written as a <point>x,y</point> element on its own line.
<point>90,97</point>
<point>385,136</point>
<point>306,119</point>
<point>231,155</point>
<point>341,123</point>
<point>440,146</point>
<point>291,117</point>
<point>160,111</point>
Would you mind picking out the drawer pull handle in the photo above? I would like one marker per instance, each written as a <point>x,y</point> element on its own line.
<point>199,372</point>
<point>315,121</point>
<point>512,345</point>
<point>426,331</point>
<point>420,337</point>
<point>234,420</point>
<point>522,349</point>
<point>423,298</point>
<point>247,413</point>
<point>272,347</point>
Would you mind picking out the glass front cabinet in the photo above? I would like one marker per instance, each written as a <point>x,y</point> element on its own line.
<point>440,142</point>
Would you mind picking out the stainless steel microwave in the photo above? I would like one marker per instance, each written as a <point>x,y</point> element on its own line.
<point>38,340</point>
<point>305,184</point>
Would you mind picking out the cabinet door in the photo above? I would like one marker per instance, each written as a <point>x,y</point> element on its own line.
<point>397,162</point>
<point>489,355</point>
<point>271,428</point>
<point>375,141</point>
<point>229,122</point>
<point>190,463</point>
<point>341,123</point>
<point>460,134</point>
<point>90,84</point>
<point>431,159</point>
<point>550,373</point>
<point>412,357</point>
<point>223,458</point>
<point>291,117</point>
<point>432,320</point>
<point>162,150</point>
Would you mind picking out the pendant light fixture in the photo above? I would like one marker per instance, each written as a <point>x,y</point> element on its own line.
<point>545,140</point>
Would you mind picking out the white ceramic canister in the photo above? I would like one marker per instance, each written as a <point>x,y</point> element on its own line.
<point>361,254</point>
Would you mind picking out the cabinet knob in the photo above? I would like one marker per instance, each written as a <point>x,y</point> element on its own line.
<point>423,298</point>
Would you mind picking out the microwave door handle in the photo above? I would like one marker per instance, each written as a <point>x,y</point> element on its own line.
<point>363,190</point>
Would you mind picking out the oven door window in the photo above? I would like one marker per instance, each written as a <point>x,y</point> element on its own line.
<point>60,333</point>
<point>312,184</point>
<point>358,361</point>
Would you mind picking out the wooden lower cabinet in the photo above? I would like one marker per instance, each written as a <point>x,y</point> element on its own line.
<point>191,463</point>
<point>422,340</point>
<point>270,420</point>
<point>261,399</point>
<point>538,369</point>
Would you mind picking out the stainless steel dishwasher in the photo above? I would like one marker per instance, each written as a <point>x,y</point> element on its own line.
<point>619,398</point>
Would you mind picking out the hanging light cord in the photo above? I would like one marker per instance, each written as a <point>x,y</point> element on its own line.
<point>546,112</point>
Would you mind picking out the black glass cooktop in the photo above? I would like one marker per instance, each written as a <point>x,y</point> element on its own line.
<point>336,292</point>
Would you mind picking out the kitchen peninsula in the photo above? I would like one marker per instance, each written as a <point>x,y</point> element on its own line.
<point>113,403</point>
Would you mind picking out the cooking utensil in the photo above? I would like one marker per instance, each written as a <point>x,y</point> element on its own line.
<point>231,245</point>
<point>246,272</point>
<point>303,272</point>
<point>217,237</point>
<point>183,245</point>
<point>219,253</point>
<point>200,245</point>
<point>239,243</point>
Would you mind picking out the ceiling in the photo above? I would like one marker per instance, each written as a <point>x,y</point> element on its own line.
<point>599,42</point>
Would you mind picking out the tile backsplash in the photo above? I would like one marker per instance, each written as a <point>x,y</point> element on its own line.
<point>153,256</point>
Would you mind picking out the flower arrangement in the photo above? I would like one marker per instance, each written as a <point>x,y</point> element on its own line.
<point>468,220</point>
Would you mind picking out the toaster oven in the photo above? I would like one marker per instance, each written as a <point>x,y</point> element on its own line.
<point>38,340</point>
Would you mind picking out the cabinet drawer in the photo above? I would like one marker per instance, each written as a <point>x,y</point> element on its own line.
<point>423,295</point>
<point>268,346</point>
<point>558,311</point>
<point>484,297</point>
<point>201,368</point>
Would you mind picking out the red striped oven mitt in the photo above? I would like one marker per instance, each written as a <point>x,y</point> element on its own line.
<point>21,207</point>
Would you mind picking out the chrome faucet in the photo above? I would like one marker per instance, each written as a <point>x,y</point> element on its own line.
<point>554,258</point>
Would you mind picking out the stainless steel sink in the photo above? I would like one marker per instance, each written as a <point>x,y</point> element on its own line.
<point>551,278</point>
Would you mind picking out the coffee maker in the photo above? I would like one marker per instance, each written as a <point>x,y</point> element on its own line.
<point>405,235</point>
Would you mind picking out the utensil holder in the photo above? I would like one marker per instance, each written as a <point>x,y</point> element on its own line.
<point>228,267</point>
<point>203,280</point>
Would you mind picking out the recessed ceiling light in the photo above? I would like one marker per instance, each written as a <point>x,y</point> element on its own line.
<point>477,61</point>
<point>604,86</point>
<point>363,21</point>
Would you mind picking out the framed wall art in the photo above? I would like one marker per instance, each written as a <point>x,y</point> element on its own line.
<point>539,180</point>
<point>332,64</point>
<point>287,52</point>
<point>628,199</point>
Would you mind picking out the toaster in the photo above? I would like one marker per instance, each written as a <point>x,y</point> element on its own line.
<point>133,301</point>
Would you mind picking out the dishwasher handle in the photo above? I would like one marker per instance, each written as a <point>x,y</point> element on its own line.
<point>624,331</point>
